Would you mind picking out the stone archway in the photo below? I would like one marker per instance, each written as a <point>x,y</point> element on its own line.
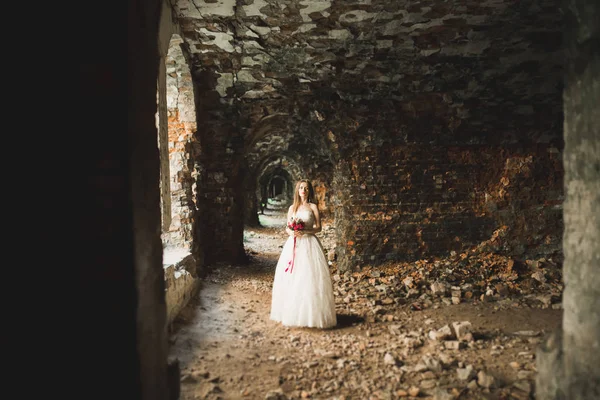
<point>178,152</point>
<point>178,187</point>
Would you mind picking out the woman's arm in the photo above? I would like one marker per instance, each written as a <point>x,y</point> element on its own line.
<point>317,226</point>
<point>289,217</point>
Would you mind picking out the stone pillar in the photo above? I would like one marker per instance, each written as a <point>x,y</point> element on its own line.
<point>568,362</point>
<point>141,147</point>
<point>163,145</point>
<point>581,240</point>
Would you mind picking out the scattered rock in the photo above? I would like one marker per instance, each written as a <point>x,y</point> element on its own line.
<point>485,380</point>
<point>465,374</point>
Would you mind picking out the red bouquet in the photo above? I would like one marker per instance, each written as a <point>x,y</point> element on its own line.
<point>295,224</point>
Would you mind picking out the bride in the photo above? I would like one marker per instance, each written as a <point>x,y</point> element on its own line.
<point>302,294</point>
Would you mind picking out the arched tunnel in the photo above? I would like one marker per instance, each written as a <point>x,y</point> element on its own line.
<point>453,149</point>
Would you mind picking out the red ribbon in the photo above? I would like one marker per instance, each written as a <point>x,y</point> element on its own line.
<point>291,262</point>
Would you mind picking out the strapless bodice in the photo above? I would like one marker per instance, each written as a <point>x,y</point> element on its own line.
<point>307,216</point>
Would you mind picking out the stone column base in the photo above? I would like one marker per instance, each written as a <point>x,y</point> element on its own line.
<point>549,380</point>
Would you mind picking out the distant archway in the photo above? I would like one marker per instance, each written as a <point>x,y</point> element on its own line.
<point>177,125</point>
<point>176,119</point>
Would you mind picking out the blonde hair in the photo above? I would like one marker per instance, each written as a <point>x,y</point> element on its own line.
<point>297,199</point>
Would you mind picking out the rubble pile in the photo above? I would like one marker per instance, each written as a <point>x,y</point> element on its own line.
<point>444,363</point>
<point>465,277</point>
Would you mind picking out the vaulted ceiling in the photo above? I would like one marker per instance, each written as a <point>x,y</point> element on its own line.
<point>286,57</point>
<point>319,78</point>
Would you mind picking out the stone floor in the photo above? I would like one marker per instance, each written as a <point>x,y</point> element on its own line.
<point>394,340</point>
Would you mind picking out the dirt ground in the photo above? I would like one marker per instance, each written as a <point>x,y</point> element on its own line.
<point>393,340</point>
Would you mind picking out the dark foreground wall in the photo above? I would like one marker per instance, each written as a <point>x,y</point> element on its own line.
<point>117,345</point>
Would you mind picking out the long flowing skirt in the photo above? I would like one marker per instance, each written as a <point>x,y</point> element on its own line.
<point>304,296</point>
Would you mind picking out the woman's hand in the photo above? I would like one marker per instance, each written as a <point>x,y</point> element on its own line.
<point>301,232</point>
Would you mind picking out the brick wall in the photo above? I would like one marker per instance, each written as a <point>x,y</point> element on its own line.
<point>417,201</point>
<point>425,127</point>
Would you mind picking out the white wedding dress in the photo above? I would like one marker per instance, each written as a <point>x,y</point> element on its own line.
<point>303,296</point>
